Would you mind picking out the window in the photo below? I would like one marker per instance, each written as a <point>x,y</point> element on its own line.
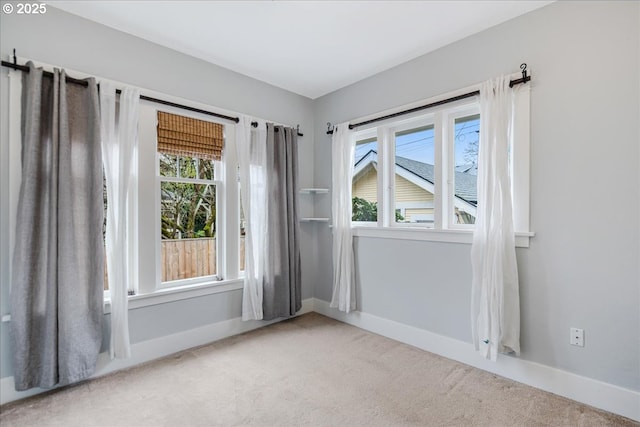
<point>414,175</point>
<point>188,202</point>
<point>365,180</point>
<point>430,164</point>
<point>420,173</point>
<point>465,144</point>
<point>189,160</point>
<point>188,223</point>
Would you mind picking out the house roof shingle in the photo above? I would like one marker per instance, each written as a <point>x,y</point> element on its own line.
<point>465,182</point>
<point>466,187</point>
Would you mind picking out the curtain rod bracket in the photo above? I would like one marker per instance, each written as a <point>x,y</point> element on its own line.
<point>523,67</point>
<point>15,60</point>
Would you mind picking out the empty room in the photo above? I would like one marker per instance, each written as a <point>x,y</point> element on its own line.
<point>325,213</point>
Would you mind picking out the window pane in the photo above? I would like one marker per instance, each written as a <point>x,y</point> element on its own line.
<point>205,169</point>
<point>188,167</point>
<point>414,175</point>
<point>168,164</point>
<point>188,230</point>
<point>365,181</point>
<point>466,140</point>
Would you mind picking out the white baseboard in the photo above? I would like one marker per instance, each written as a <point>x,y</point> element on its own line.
<point>156,348</point>
<point>592,392</point>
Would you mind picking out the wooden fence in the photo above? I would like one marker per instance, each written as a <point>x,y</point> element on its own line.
<point>186,258</point>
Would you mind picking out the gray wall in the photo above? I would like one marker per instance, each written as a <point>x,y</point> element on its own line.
<point>75,43</point>
<point>582,267</point>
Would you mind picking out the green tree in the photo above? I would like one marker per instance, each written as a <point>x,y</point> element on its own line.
<point>188,209</point>
<point>364,210</point>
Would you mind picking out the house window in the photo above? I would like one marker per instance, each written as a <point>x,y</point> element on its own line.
<point>188,221</point>
<point>196,200</point>
<point>465,143</point>
<point>414,175</point>
<point>365,180</point>
<point>429,166</point>
<point>426,172</point>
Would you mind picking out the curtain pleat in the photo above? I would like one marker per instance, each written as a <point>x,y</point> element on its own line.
<point>282,284</point>
<point>495,306</point>
<point>58,264</point>
<point>252,161</point>
<point>342,155</point>
<point>120,153</point>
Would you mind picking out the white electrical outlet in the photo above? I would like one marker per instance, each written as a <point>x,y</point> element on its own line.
<point>577,337</point>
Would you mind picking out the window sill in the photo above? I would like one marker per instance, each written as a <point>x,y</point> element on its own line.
<point>163,296</point>
<point>429,235</point>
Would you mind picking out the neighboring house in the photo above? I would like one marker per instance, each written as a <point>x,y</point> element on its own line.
<point>414,188</point>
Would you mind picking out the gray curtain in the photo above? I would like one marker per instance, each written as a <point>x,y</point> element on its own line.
<point>58,265</point>
<point>281,297</point>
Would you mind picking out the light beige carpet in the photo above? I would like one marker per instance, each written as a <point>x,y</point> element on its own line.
<point>310,370</point>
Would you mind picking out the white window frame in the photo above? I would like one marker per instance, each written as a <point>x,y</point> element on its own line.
<point>151,290</point>
<point>448,222</point>
<point>227,203</point>
<point>217,183</point>
<point>361,136</point>
<point>401,126</point>
<point>443,118</point>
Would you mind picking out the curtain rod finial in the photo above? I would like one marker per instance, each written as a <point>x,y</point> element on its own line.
<point>523,67</point>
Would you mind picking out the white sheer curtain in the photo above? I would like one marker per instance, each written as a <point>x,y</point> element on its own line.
<point>252,160</point>
<point>342,159</point>
<point>119,152</point>
<point>495,306</point>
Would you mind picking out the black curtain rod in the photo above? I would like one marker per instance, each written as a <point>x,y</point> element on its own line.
<point>84,83</point>
<point>25,69</point>
<point>255,125</point>
<point>525,78</point>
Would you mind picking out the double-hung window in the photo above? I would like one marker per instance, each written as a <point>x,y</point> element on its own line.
<point>189,164</point>
<point>188,224</point>
<point>188,200</point>
<point>416,177</point>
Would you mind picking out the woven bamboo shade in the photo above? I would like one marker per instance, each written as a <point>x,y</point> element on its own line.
<point>185,136</point>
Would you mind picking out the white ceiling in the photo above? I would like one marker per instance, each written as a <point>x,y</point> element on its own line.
<point>307,47</point>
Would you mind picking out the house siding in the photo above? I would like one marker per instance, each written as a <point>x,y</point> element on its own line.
<point>407,191</point>
<point>366,187</point>
<point>411,213</point>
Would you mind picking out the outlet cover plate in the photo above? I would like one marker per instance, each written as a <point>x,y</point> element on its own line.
<point>576,337</point>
